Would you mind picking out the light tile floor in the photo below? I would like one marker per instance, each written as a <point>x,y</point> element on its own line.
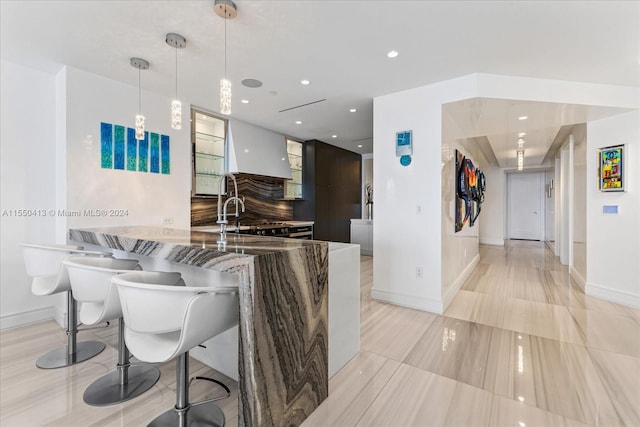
<point>520,345</point>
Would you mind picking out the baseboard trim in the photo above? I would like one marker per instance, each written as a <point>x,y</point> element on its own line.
<point>578,278</point>
<point>27,317</point>
<point>409,301</point>
<point>612,295</point>
<point>457,284</point>
<point>491,241</point>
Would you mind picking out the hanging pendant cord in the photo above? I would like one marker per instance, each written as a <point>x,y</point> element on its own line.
<point>176,49</point>
<point>139,94</point>
<point>225,44</point>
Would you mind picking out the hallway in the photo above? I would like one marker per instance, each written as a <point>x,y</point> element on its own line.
<point>520,345</point>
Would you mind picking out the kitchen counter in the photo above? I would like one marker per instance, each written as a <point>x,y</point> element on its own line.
<point>283,359</point>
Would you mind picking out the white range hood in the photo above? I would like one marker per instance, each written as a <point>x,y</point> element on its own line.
<point>257,151</point>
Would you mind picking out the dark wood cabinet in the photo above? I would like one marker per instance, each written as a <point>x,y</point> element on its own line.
<point>332,186</point>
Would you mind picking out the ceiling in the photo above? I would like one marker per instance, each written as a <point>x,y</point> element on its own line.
<point>341,48</point>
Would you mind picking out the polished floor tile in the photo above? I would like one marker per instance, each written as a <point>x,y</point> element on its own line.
<point>352,390</point>
<point>381,325</point>
<point>520,345</point>
<point>53,397</point>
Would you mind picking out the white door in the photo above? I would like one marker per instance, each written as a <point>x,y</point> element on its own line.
<point>525,203</point>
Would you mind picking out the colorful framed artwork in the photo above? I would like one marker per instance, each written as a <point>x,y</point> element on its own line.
<point>611,168</point>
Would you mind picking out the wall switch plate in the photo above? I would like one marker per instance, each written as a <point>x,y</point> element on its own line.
<point>167,220</point>
<point>419,272</point>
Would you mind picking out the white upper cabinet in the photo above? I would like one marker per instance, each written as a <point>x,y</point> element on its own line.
<point>257,151</point>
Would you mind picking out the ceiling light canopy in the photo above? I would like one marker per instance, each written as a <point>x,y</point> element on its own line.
<point>298,122</point>
<point>305,82</point>
<point>225,9</point>
<point>392,54</point>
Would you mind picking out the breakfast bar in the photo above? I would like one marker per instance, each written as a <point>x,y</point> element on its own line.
<point>283,323</point>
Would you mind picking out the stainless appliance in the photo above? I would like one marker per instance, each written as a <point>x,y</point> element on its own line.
<point>301,232</point>
<point>279,229</point>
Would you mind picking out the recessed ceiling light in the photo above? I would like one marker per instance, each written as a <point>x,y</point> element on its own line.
<point>352,110</point>
<point>283,158</point>
<point>246,150</point>
<point>334,136</point>
<point>523,117</point>
<point>359,145</point>
<point>244,101</point>
<point>305,82</point>
<point>521,134</point>
<point>298,122</point>
<point>392,54</point>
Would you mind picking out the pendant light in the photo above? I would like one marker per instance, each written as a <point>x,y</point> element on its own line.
<point>225,9</point>
<point>178,42</point>
<point>520,153</point>
<point>140,64</point>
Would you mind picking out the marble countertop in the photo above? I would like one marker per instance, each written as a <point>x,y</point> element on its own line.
<point>147,238</point>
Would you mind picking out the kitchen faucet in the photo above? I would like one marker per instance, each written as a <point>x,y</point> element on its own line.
<point>223,222</point>
<point>222,215</point>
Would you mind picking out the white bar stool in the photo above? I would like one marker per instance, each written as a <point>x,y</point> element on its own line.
<point>98,297</point>
<point>43,264</point>
<point>165,319</point>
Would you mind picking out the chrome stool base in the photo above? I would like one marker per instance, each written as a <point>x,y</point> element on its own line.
<point>206,414</point>
<point>60,357</point>
<point>109,390</point>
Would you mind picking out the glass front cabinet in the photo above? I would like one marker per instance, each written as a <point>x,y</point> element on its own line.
<point>293,188</point>
<point>208,136</point>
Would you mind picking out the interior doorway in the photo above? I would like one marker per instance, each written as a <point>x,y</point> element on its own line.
<point>525,205</point>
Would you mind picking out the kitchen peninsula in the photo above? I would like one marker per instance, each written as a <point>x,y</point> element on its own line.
<point>283,290</point>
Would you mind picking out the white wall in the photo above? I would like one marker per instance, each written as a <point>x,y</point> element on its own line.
<point>579,249</point>
<point>412,195</point>
<point>460,252</point>
<point>550,206</point>
<point>146,197</point>
<point>492,227</point>
<point>51,162</point>
<point>613,251</point>
<point>28,155</point>
<point>407,225</point>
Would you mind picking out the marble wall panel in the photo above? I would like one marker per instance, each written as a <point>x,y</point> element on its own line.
<point>263,201</point>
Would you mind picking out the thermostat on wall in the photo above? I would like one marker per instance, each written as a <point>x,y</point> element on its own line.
<point>404,143</point>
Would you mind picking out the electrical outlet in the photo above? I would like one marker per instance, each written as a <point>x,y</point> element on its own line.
<point>167,220</point>
<point>419,272</point>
